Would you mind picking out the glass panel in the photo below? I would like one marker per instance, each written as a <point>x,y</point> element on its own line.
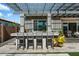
<point>40,25</point>
<point>48,6</point>
<point>65,29</point>
<point>36,6</point>
<point>23,6</point>
<point>57,5</point>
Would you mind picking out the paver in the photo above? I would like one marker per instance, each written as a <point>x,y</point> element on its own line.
<point>10,47</point>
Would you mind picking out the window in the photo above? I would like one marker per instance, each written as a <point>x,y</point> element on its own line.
<point>40,25</point>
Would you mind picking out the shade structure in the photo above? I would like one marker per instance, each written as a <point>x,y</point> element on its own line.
<point>57,9</point>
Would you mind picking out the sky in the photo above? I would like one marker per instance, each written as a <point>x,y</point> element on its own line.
<point>8,14</point>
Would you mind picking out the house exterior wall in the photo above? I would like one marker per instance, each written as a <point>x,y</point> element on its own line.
<point>6,28</point>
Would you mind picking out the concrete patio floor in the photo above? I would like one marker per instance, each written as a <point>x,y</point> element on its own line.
<point>65,54</point>
<point>10,47</point>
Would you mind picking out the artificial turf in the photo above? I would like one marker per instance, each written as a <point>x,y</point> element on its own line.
<point>73,53</point>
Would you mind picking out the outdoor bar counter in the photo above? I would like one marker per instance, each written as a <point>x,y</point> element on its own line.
<point>34,35</point>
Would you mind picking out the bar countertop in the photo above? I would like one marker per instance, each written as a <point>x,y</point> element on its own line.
<point>33,34</point>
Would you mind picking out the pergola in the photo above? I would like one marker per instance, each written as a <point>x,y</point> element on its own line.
<point>56,9</point>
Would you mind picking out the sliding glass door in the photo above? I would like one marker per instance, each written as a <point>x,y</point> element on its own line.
<point>65,28</point>
<point>69,29</point>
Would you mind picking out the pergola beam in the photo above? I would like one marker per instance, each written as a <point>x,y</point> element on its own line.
<point>52,7</point>
<point>75,8</point>
<point>18,7</point>
<point>69,6</point>
<point>60,7</point>
<point>28,8</point>
<point>44,7</point>
<point>55,12</point>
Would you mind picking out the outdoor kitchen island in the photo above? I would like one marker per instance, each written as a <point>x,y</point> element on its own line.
<point>22,39</point>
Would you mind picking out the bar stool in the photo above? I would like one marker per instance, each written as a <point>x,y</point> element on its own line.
<point>30,43</point>
<point>39,43</point>
<point>20,42</point>
<point>49,43</point>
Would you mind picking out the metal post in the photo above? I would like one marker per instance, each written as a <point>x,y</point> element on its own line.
<point>32,25</point>
<point>77,26</point>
